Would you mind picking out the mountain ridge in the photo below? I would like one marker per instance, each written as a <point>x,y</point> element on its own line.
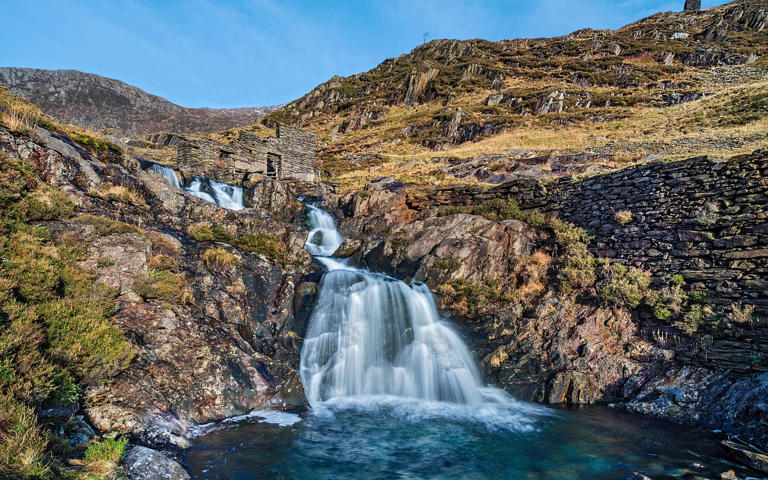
<point>92,101</point>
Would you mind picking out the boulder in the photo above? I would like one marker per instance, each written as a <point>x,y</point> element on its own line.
<point>143,463</point>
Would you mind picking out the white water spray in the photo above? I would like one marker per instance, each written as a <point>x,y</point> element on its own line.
<point>372,336</point>
<point>222,194</point>
<point>168,173</point>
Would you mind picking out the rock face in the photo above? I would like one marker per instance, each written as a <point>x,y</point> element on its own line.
<point>217,337</point>
<point>99,103</point>
<point>142,463</point>
<point>700,218</point>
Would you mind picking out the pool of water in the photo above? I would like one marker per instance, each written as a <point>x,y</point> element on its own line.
<point>380,440</point>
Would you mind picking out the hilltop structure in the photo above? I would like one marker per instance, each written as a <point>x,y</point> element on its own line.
<point>692,5</point>
<point>290,154</point>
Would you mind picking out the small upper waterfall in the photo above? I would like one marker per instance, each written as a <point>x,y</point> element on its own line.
<point>222,194</point>
<point>373,335</point>
<point>168,173</point>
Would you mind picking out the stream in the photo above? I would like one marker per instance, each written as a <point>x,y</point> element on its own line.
<point>396,394</point>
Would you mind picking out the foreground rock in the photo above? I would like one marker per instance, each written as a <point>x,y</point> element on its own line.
<point>142,463</point>
<point>212,325</point>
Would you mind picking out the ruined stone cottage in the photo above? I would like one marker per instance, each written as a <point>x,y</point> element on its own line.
<point>290,154</point>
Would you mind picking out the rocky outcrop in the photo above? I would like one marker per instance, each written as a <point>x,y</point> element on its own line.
<point>146,464</point>
<point>212,325</point>
<point>99,103</point>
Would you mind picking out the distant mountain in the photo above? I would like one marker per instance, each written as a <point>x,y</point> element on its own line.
<point>100,103</point>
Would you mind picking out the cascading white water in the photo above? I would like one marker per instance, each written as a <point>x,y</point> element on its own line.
<point>373,335</point>
<point>227,196</point>
<point>222,194</point>
<point>323,238</point>
<point>168,173</point>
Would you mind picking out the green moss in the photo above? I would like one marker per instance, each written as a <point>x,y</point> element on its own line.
<point>96,143</point>
<point>260,243</point>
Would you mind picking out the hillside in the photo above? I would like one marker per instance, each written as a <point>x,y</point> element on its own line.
<point>670,84</point>
<point>100,103</point>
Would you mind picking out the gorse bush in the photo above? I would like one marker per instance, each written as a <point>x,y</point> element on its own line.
<point>624,286</point>
<point>55,333</point>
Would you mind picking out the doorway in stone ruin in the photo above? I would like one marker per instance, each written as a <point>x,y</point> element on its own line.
<point>273,165</point>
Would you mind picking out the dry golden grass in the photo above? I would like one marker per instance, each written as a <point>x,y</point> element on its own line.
<point>119,193</point>
<point>732,120</point>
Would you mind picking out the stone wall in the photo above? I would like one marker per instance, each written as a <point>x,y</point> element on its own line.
<point>706,220</point>
<point>249,158</point>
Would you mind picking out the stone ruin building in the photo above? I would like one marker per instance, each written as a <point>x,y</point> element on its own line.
<point>290,154</point>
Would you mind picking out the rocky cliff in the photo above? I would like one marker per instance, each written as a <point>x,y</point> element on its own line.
<point>99,103</point>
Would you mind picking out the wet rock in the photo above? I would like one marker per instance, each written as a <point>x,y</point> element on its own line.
<point>636,476</point>
<point>747,455</point>
<point>142,463</point>
<point>162,437</point>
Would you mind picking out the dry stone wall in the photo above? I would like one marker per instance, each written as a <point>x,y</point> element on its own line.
<point>703,219</point>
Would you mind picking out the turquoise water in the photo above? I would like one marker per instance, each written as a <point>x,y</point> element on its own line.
<point>397,441</point>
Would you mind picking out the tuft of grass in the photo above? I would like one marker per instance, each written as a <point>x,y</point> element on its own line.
<point>159,285</point>
<point>623,217</point>
<point>163,262</point>
<point>741,314</point>
<point>220,259</point>
<point>104,262</point>
<point>22,442</point>
<point>106,226</point>
<point>103,457</point>
<point>119,193</point>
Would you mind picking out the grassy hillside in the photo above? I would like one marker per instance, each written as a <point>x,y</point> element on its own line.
<point>670,76</point>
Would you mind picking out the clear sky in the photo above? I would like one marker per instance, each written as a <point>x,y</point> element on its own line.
<point>237,53</point>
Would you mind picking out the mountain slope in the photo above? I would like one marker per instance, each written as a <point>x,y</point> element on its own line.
<point>100,103</point>
<point>447,93</point>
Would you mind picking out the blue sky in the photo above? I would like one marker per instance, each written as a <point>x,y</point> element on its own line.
<point>216,53</point>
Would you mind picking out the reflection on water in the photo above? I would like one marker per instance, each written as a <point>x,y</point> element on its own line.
<point>389,443</point>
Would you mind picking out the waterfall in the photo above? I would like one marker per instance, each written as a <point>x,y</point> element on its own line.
<point>222,194</point>
<point>168,173</point>
<point>371,335</point>
<point>323,238</point>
